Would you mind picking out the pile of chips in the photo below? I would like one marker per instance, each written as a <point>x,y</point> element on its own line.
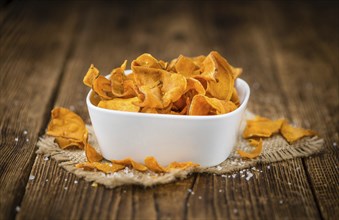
<point>202,85</point>
<point>261,127</point>
<point>70,131</point>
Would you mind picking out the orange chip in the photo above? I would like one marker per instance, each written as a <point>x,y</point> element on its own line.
<point>67,143</point>
<point>181,165</point>
<point>292,134</point>
<point>121,104</point>
<point>152,164</point>
<point>253,142</point>
<point>235,98</point>
<point>262,127</point>
<point>198,60</point>
<point>104,167</point>
<point>174,85</point>
<point>102,87</point>
<point>90,76</point>
<point>185,66</point>
<point>209,68</point>
<point>91,154</point>
<point>129,161</point>
<point>66,124</point>
<point>147,60</point>
<point>196,86</point>
<point>152,96</point>
<point>203,105</point>
<point>255,153</point>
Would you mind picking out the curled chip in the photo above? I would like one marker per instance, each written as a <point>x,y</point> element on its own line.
<point>103,167</point>
<point>255,153</point>
<point>181,165</point>
<point>168,87</point>
<point>65,124</point>
<point>262,127</point>
<point>152,164</point>
<point>91,75</point>
<point>292,134</point>
<point>67,143</point>
<point>120,104</point>
<point>129,161</point>
<point>91,154</point>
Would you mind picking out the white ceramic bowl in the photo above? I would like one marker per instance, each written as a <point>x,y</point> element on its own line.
<point>206,140</point>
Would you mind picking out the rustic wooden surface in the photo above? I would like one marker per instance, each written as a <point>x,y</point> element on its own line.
<point>289,52</point>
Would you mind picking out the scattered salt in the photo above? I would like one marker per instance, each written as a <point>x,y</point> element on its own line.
<point>46,180</point>
<point>75,181</point>
<point>334,144</point>
<point>268,167</point>
<point>249,176</point>
<point>94,185</point>
<point>281,202</point>
<point>234,175</point>
<point>253,168</point>
<point>17,209</point>
<point>66,188</point>
<point>241,171</point>
<point>16,139</point>
<point>192,193</point>
<point>243,175</point>
<point>124,191</point>
<point>189,190</point>
<point>25,132</point>
<point>72,108</point>
<point>289,183</point>
<point>224,176</point>
<point>235,211</point>
<point>31,177</point>
<point>46,158</point>
<point>27,139</point>
<point>65,180</point>
<point>219,168</point>
<point>220,190</point>
<point>200,197</point>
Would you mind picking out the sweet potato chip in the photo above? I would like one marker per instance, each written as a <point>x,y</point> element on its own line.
<point>65,143</point>
<point>292,134</point>
<point>152,164</point>
<point>255,153</point>
<point>181,165</point>
<point>235,98</point>
<point>130,162</point>
<point>174,85</point>
<point>91,154</point>
<point>152,96</point>
<point>185,66</point>
<point>102,87</point>
<point>90,76</point>
<point>121,85</point>
<point>203,105</point>
<point>262,127</point>
<point>66,124</point>
<point>121,104</point>
<point>147,60</point>
<point>104,167</point>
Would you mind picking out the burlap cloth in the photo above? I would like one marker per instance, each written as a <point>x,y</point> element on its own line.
<point>274,149</point>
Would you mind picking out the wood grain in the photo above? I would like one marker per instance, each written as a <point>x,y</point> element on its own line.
<point>30,67</point>
<point>275,54</point>
<point>311,97</point>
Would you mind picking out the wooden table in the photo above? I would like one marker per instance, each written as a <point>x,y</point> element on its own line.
<point>289,52</point>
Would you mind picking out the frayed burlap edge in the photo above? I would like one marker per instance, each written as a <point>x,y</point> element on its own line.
<point>275,149</point>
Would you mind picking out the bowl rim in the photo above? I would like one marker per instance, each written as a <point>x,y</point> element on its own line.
<point>169,116</point>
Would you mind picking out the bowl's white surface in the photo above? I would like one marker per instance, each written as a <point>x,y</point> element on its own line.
<point>206,140</point>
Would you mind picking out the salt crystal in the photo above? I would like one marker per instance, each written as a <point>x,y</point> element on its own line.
<point>268,167</point>
<point>219,168</point>
<point>72,108</point>
<point>65,180</point>
<point>234,175</point>
<point>334,144</point>
<point>235,211</point>
<point>260,171</point>
<point>189,190</point>
<point>46,180</point>
<point>25,132</point>
<point>66,188</point>
<point>46,158</point>
<point>17,209</point>
<point>249,176</point>
<point>220,190</point>
<point>224,175</point>
<point>192,193</point>
<point>243,175</point>
<point>241,171</point>
<point>200,197</point>
<point>27,139</point>
<point>31,177</point>
<point>289,183</point>
<point>94,185</point>
<point>124,191</point>
<point>281,202</point>
<point>253,168</point>
<point>16,139</point>
<point>75,181</point>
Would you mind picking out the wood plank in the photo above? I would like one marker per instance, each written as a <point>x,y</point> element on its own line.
<point>310,50</point>
<point>236,35</point>
<point>30,66</point>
